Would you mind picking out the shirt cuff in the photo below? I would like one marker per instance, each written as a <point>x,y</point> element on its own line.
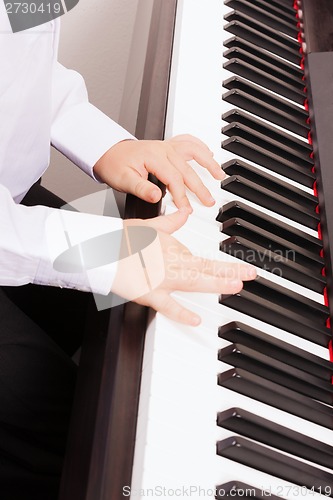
<point>83,251</point>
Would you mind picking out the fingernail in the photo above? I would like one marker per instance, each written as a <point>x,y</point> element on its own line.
<point>155,195</point>
<point>252,272</point>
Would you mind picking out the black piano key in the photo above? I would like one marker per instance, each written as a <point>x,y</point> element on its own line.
<point>281,6</point>
<point>261,140</point>
<point>273,184</point>
<point>283,309</point>
<point>278,465</point>
<point>275,348</point>
<point>278,164</point>
<point>299,147</point>
<point>242,30</point>
<point>239,227</point>
<point>276,436</point>
<point>238,490</point>
<point>263,29</point>
<point>273,262</point>
<point>283,76</point>
<point>279,397</point>
<point>310,309</point>
<point>242,68</point>
<point>264,36</point>
<point>272,201</point>
<point>297,113</point>
<point>237,209</point>
<point>278,372</point>
<point>270,18</point>
<point>282,64</point>
<point>277,9</point>
<point>274,114</point>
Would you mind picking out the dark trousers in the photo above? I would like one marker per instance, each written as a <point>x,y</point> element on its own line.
<point>40,329</point>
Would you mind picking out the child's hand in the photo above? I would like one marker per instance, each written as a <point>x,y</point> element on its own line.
<point>170,266</point>
<point>125,167</point>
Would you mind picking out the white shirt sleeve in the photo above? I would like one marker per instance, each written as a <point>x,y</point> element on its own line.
<point>51,106</point>
<point>79,130</point>
<point>33,237</point>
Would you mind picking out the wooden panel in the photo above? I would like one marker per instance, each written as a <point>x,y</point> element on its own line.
<point>320,87</point>
<point>318,22</point>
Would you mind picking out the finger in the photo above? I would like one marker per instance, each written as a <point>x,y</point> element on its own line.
<point>142,188</point>
<point>192,280</point>
<point>190,138</point>
<point>208,162</point>
<point>169,223</point>
<point>166,305</point>
<point>192,180</point>
<point>165,171</point>
<point>228,270</point>
<point>197,150</point>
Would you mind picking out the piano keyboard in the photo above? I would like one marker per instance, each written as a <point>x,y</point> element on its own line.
<point>242,405</point>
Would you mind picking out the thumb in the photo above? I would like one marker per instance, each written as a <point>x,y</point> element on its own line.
<point>142,188</point>
<point>169,223</point>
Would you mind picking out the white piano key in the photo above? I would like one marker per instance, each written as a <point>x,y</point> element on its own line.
<point>181,401</point>
<point>222,197</point>
<point>175,452</point>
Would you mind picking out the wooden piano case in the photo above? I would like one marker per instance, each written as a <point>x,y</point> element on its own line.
<point>100,450</point>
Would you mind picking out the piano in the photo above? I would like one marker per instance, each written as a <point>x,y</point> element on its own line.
<point>241,406</point>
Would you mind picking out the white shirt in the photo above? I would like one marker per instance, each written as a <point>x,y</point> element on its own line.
<point>43,103</point>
